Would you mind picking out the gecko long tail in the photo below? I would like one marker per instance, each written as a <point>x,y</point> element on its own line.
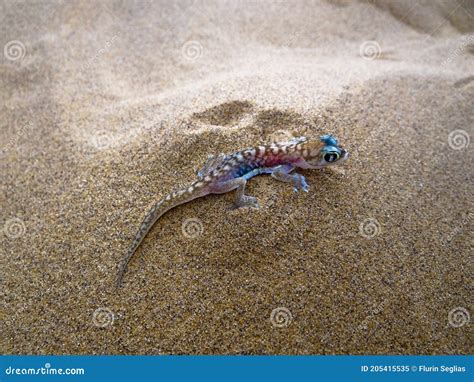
<point>158,210</point>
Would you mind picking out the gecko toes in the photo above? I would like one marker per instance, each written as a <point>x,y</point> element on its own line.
<point>301,185</point>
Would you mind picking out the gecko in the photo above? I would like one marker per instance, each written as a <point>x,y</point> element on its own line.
<point>224,173</point>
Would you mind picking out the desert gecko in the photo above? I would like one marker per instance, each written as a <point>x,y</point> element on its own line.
<point>224,173</point>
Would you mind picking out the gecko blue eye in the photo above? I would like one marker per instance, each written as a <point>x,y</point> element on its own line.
<point>329,140</point>
<point>331,157</point>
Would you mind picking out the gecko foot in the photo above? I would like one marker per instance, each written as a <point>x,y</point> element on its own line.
<point>300,183</point>
<point>247,201</point>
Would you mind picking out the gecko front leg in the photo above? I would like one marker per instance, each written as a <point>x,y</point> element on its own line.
<point>238,184</point>
<point>282,173</point>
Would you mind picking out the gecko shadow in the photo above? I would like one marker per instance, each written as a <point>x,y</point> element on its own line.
<point>224,114</point>
<point>268,125</point>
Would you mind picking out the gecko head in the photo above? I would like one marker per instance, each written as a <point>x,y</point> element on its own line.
<point>323,152</point>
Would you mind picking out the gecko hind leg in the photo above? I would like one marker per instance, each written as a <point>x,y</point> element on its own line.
<point>238,184</point>
<point>282,173</point>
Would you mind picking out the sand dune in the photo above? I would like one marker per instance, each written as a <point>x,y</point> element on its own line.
<point>106,107</point>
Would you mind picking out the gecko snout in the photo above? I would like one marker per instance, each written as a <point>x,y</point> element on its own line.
<point>344,154</point>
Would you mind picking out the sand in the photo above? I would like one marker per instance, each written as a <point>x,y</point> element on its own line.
<point>106,107</point>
